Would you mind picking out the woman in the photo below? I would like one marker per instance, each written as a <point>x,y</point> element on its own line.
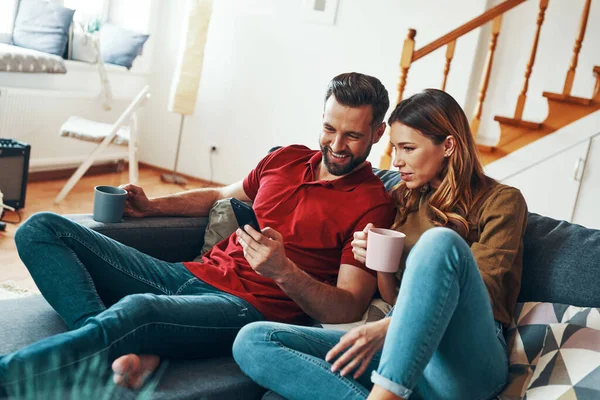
<point>452,294</point>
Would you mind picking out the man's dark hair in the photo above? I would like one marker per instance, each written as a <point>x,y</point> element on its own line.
<point>353,89</point>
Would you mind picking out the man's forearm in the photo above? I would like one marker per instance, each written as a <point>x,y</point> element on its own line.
<point>325,303</point>
<point>192,203</point>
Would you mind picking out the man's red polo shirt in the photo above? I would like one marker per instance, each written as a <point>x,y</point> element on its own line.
<point>317,220</point>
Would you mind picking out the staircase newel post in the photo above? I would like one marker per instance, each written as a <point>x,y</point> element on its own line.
<point>408,50</point>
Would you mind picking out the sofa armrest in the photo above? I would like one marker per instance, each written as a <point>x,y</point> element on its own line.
<point>167,238</point>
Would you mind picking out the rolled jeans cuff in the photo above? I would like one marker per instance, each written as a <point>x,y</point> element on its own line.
<point>390,386</point>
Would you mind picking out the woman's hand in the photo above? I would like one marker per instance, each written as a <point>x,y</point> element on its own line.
<point>360,345</point>
<point>359,244</point>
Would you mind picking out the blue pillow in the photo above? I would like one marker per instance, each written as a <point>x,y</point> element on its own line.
<point>43,26</point>
<point>120,46</point>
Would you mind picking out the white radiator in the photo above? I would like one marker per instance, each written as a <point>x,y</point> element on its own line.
<point>35,116</point>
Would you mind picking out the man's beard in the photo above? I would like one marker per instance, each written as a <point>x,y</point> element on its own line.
<point>350,164</point>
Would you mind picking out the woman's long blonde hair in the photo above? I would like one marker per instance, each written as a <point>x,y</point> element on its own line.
<point>436,115</point>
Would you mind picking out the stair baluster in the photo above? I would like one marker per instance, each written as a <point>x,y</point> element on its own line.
<point>596,95</point>
<point>508,132</point>
<point>582,27</point>
<point>449,56</point>
<point>496,24</point>
<point>523,96</point>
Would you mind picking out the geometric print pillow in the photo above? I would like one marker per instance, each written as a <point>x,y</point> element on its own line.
<point>525,339</point>
<point>569,366</point>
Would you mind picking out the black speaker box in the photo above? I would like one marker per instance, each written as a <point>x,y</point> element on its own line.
<point>14,169</point>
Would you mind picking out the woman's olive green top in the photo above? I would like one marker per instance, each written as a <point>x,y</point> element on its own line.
<point>496,229</point>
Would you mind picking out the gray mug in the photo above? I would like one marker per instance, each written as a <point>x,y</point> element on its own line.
<point>109,203</point>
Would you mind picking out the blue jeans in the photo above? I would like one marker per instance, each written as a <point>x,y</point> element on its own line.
<point>118,300</point>
<point>442,342</point>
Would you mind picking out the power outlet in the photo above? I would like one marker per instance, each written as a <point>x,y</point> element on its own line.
<point>321,11</point>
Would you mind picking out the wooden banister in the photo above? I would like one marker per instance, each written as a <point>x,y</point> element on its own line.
<point>466,28</point>
<point>409,55</point>
<point>582,26</point>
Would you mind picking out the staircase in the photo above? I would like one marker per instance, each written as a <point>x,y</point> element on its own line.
<point>562,110</point>
<point>515,132</point>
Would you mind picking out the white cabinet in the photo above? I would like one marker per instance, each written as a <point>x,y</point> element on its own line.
<point>550,187</point>
<point>587,209</point>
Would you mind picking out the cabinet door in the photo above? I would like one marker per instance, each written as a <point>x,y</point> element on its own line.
<point>549,187</point>
<point>587,209</point>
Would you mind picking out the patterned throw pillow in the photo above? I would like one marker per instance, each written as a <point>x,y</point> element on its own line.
<point>525,338</point>
<point>569,365</point>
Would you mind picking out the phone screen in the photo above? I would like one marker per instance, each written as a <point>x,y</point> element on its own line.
<point>244,214</point>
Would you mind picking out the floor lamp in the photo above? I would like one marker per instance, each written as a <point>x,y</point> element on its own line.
<point>186,81</point>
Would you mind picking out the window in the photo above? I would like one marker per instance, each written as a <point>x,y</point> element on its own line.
<point>88,13</point>
<point>129,14</point>
<point>8,9</point>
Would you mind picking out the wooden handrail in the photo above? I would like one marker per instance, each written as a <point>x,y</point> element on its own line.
<point>466,28</point>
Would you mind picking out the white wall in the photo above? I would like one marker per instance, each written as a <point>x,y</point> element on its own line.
<point>266,69</point>
<point>555,50</point>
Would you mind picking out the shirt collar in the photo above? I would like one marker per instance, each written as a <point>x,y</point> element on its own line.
<point>345,183</point>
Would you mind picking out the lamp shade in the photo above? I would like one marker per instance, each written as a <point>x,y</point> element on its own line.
<point>186,81</point>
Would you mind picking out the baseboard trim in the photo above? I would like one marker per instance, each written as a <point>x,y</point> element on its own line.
<point>105,168</point>
<point>167,171</point>
<point>64,173</point>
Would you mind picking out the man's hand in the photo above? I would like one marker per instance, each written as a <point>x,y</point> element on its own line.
<point>265,252</point>
<point>358,346</point>
<point>137,204</point>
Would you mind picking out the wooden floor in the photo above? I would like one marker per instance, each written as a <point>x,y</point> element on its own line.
<point>40,197</point>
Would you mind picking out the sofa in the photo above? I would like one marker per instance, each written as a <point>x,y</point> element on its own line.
<point>561,265</point>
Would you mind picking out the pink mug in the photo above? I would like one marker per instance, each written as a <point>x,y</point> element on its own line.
<point>384,249</point>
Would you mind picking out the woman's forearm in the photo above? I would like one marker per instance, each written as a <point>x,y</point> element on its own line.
<point>388,286</point>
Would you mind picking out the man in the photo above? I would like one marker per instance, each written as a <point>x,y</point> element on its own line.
<point>118,301</point>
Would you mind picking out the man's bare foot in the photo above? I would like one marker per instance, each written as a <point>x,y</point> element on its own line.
<point>132,370</point>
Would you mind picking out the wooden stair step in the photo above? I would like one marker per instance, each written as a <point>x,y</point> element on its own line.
<point>518,122</point>
<point>484,148</point>
<point>567,99</point>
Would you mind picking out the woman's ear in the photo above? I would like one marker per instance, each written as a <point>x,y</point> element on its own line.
<point>449,146</point>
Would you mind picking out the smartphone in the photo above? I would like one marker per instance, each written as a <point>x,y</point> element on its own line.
<point>244,214</point>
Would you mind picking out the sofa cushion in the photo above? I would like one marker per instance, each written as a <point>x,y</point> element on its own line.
<point>569,366</point>
<point>560,263</point>
<point>525,338</point>
<point>29,319</point>
<point>43,26</point>
<point>19,59</point>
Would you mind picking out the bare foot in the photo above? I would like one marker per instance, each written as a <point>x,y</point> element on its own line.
<point>132,370</point>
